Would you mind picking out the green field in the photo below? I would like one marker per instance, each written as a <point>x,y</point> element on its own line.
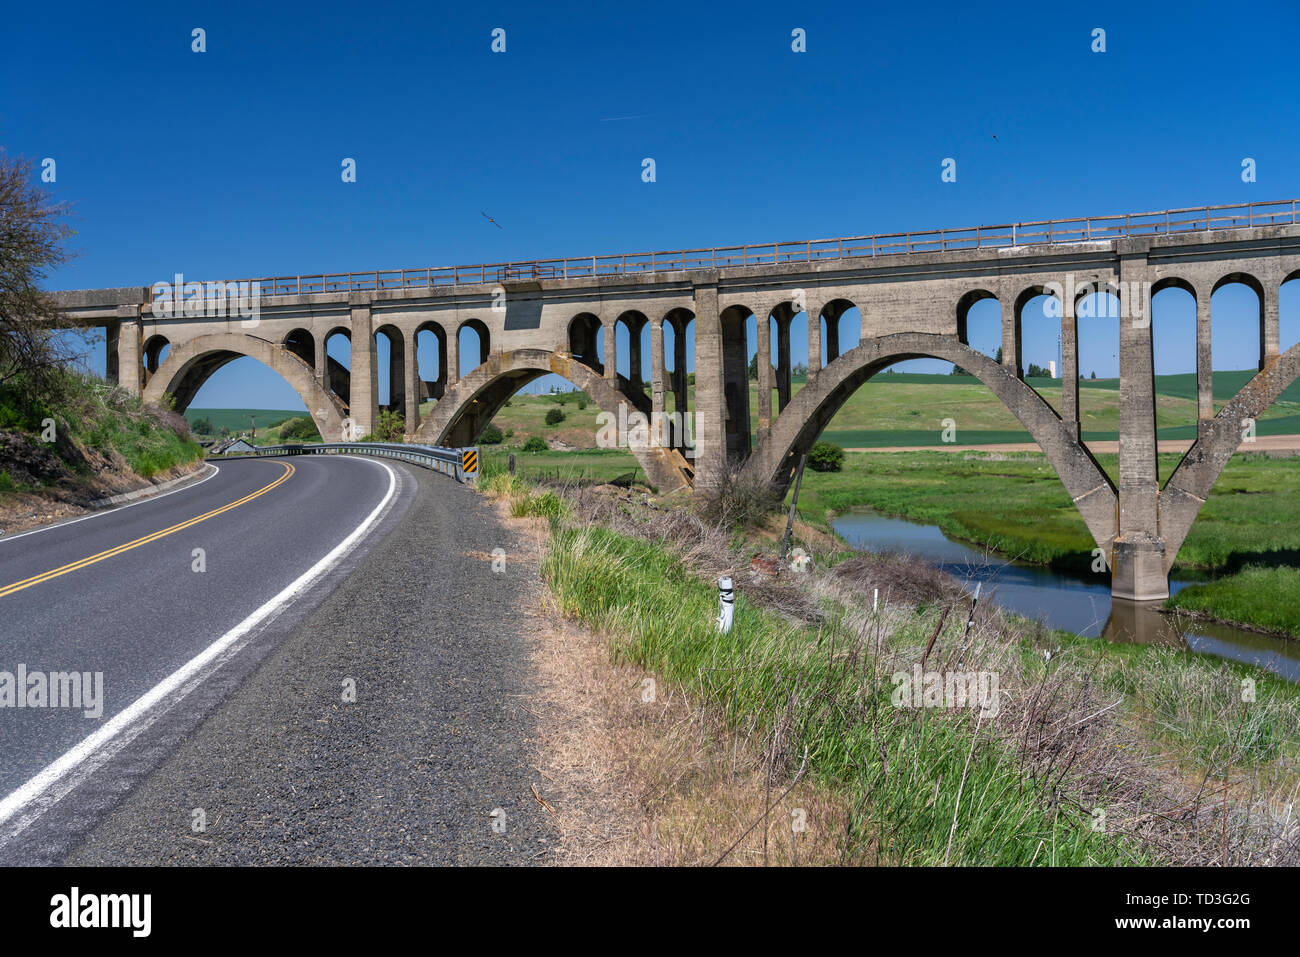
<point>238,420</point>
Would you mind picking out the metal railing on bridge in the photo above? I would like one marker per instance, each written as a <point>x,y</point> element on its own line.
<point>460,463</point>
<point>1049,232</point>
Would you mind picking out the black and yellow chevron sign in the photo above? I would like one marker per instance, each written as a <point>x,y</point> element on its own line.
<point>469,460</point>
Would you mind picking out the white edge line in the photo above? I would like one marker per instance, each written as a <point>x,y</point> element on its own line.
<point>111,511</point>
<point>178,679</point>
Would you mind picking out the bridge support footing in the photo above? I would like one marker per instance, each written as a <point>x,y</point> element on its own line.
<point>1138,569</point>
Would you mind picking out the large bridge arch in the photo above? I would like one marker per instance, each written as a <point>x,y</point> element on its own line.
<point>191,363</point>
<point>470,404</point>
<point>815,405</point>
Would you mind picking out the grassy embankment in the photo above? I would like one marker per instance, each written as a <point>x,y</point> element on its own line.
<point>934,785</point>
<point>1259,596</point>
<point>98,429</point>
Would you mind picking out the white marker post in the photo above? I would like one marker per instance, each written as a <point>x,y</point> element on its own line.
<point>726,604</point>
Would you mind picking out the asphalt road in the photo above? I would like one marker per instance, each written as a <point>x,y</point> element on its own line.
<point>267,760</point>
<point>137,592</point>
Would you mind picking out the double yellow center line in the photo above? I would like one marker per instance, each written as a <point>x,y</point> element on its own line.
<point>153,537</point>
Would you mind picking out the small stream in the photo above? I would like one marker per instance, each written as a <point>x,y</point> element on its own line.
<point>1070,602</point>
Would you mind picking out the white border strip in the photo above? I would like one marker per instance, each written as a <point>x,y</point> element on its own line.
<point>97,748</point>
<point>111,510</point>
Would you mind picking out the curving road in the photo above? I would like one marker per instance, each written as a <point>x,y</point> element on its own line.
<point>129,594</point>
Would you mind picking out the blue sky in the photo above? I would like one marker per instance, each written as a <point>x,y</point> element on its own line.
<point>226,163</point>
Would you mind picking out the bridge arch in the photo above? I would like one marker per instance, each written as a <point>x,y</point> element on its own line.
<point>828,320</point>
<point>964,305</point>
<point>469,405</point>
<point>190,365</point>
<point>431,388</point>
<point>302,344</point>
<point>1188,487</point>
<point>153,352</point>
<point>815,405</point>
<point>1252,283</point>
<point>480,330</point>
<point>584,336</point>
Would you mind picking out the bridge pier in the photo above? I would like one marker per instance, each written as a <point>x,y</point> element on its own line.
<point>764,373</point>
<point>1138,568</point>
<point>657,397</point>
<point>783,360</point>
<point>413,386</point>
<point>710,431</point>
<point>1137,556</point>
<point>363,407</point>
<point>1070,369</point>
<point>814,340</point>
<point>129,372</point>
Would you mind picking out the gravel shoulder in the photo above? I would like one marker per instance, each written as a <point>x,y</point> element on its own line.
<point>286,771</point>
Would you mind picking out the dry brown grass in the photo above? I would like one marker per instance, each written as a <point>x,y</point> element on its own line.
<point>659,782</point>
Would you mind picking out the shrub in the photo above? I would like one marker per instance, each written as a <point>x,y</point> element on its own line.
<point>582,403</point>
<point>739,501</point>
<point>554,416</point>
<point>826,457</point>
<point>301,429</point>
<point>536,443</point>
<point>490,435</point>
<point>390,427</point>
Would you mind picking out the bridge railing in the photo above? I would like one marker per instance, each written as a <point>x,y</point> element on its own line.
<point>1042,232</point>
<point>448,461</point>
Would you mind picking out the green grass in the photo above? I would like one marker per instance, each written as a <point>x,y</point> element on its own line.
<point>1257,596</point>
<point>238,420</point>
<point>583,467</point>
<point>904,766</point>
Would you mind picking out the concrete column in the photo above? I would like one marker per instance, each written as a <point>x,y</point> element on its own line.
<point>1204,360</point>
<point>453,358</point>
<point>783,364</point>
<point>1137,565</point>
<point>710,435</point>
<point>634,357</point>
<point>765,383</point>
<point>680,398</point>
<point>814,340</point>
<point>1269,316</point>
<point>112,369</point>
<point>1069,368</point>
<point>657,427</point>
<point>130,374</point>
<point>832,336</point>
<point>322,362</point>
<point>364,407</point>
<point>1010,336</point>
<point>413,386</point>
<point>397,378</point>
<point>611,352</point>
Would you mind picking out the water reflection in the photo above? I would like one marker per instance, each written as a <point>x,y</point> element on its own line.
<point>1081,604</point>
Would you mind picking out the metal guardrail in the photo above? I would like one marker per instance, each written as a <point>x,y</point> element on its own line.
<point>447,461</point>
<point>1041,232</point>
